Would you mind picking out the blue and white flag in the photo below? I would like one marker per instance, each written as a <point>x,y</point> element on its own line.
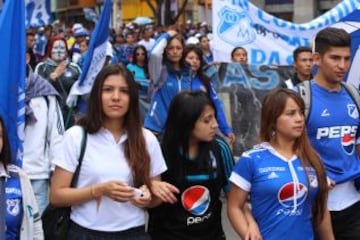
<point>12,74</point>
<point>38,13</point>
<point>95,56</point>
<point>269,40</point>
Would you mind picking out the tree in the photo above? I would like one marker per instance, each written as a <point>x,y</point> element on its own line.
<point>169,18</point>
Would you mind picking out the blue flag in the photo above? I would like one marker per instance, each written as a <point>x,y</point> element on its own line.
<point>38,13</point>
<point>12,74</point>
<point>95,56</point>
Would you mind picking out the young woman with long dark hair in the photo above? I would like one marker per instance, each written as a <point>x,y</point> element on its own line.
<point>198,168</point>
<point>120,156</point>
<point>283,176</point>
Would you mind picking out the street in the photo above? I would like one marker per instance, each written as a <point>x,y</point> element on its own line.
<point>229,232</point>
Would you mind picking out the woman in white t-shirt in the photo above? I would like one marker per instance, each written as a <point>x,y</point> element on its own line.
<point>120,158</point>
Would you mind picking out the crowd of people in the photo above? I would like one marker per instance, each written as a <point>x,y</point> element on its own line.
<point>158,140</point>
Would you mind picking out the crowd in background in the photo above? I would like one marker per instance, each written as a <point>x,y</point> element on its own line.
<point>181,160</point>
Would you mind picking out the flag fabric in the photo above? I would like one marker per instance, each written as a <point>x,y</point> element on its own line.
<point>38,13</point>
<point>12,74</point>
<point>95,56</point>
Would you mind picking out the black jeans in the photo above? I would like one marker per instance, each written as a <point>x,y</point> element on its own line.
<point>77,232</point>
<point>346,223</point>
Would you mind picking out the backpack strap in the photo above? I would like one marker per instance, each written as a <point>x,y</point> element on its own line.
<point>353,92</point>
<point>289,84</point>
<point>304,90</point>
<point>82,152</point>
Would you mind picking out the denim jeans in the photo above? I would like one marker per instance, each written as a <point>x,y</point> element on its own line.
<point>41,190</point>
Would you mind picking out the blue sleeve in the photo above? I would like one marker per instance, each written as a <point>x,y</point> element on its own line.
<point>157,114</point>
<point>227,161</point>
<point>220,115</point>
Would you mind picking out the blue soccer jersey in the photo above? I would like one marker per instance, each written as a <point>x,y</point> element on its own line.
<point>333,129</point>
<point>280,194</point>
<point>14,208</point>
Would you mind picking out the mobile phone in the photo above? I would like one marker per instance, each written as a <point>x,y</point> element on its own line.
<point>138,193</point>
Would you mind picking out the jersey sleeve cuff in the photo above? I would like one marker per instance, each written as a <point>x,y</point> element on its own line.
<point>240,182</point>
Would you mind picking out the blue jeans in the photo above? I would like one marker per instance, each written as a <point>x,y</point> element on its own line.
<point>41,190</point>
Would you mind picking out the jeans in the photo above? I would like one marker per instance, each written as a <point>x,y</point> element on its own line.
<point>41,190</point>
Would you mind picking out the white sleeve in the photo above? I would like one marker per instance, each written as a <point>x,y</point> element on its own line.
<point>156,57</point>
<point>71,145</point>
<point>157,162</point>
<point>55,130</point>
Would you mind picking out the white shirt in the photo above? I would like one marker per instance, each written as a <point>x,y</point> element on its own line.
<point>43,139</point>
<point>104,161</point>
<point>342,196</point>
<point>147,44</point>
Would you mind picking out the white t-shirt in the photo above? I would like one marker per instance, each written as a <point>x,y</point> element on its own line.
<point>104,161</point>
<point>147,44</point>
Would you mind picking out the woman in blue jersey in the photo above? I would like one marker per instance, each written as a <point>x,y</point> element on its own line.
<point>139,68</point>
<point>283,176</point>
<point>22,215</point>
<point>171,74</point>
<point>198,168</point>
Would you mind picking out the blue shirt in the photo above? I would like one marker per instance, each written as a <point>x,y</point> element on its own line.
<point>173,83</point>
<point>280,195</point>
<point>333,129</point>
<point>124,52</point>
<point>14,209</point>
<point>140,77</point>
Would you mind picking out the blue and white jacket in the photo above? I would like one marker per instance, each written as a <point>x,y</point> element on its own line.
<point>167,83</point>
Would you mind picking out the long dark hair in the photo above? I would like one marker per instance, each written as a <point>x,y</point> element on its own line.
<point>200,72</point>
<point>273,106</point>
<point>5,153</point>
<point>185,109</point>
<point>135,146</point>
<point>146,59</point>
<point>182,60</point>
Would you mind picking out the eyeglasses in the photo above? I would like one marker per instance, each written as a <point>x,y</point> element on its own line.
<point>140,54</point>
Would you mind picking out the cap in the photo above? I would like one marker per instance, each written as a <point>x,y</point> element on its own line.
<point>81,32</point>
<point>77,26</point>
<point>192,40</point>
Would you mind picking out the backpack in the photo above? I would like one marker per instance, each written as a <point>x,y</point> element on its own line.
<point>304,90</point>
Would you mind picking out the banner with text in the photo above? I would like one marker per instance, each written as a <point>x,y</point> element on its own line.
<point>268,40</point>
<point>241,89</point>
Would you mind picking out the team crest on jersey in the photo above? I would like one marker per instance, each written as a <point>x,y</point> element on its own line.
<point>353,111</point>
<point>235,27</point>
<point>313,181</point>
<point>287,195</point>
<point>13,206</point>
<point>196,200</point>
<point>348,144</point>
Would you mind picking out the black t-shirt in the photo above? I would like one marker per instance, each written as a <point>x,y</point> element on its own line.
<point>197,212</point>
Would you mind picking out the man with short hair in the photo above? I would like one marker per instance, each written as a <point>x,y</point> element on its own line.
<point>125,51</point>
<point>30,43</point>
<point>333,129</point>
<point>147,41</point>
<point>303,64</point>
